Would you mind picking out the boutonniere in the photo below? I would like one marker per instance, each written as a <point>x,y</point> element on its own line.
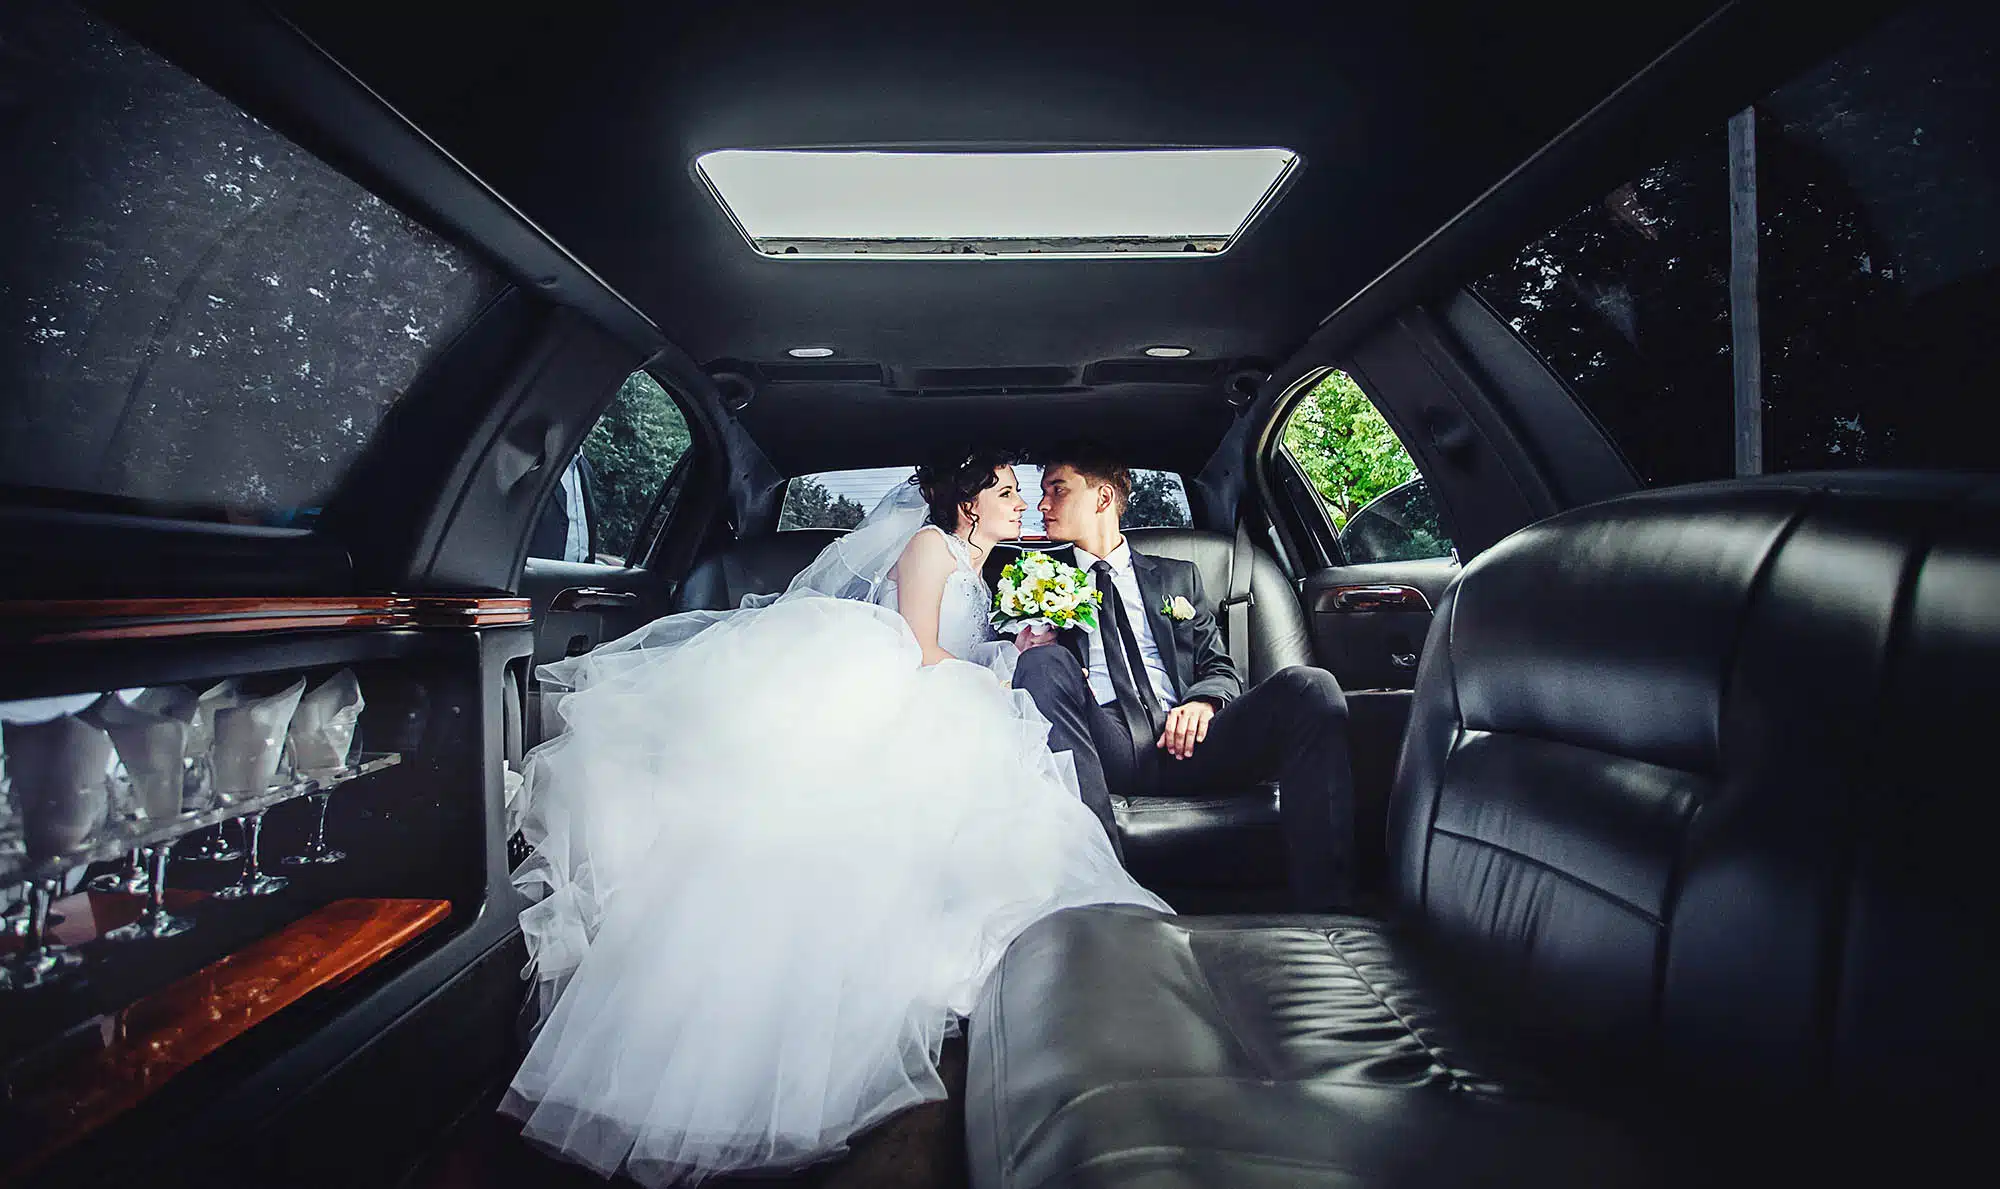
<point>1177,609</point>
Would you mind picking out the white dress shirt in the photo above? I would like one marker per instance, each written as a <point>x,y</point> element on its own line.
<point>1127,585</point>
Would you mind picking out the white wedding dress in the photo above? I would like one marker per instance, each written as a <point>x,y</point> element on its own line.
<point>774,858</point>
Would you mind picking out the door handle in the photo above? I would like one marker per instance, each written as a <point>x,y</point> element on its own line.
<point>1403,660</point>
<point>582,598</point>
<point>1351,600</point>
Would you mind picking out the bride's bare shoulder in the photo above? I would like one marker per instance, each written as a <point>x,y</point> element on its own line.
<point>926,551</point>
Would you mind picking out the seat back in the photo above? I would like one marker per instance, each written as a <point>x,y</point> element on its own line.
<point>759,565</point>
<point>1680,775</point>
<point>1278,638</point>
<point>1278,635</point>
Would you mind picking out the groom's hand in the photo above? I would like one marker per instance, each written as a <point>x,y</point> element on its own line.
<point>1028,638</point>
<point>1187,725</point>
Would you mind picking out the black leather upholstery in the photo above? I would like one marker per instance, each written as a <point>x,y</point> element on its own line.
<point>1278,635</point>
<point>1682,859</point>
<point>1184,846</point>
<point>760,565</point>
<point>1187,847</point>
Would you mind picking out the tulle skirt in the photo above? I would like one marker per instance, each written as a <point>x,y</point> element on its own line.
<point>776,857</point>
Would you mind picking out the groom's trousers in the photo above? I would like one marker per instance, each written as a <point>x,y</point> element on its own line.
<point>1290,727</point>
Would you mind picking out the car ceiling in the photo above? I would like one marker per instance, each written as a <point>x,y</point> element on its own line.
<point>588,117</point>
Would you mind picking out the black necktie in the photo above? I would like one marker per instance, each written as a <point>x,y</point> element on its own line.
<point>1134,690</point>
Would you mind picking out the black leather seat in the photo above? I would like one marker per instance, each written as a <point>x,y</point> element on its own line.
<point>1188,849</point>
<point>759,565</point>
<point>1687,886</point>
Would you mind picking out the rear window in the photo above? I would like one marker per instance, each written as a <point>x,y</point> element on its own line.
<point>839,499</point>
<point>1875,176</point>
<point>194,313</point>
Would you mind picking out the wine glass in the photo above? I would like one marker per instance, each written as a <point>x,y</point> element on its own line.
<point>154,920</point>
<point>150,735</point>
<point>253,881</point>
<point>56,769</point>
<point>322,737</point>
<point>39,962</point>
<point>251,744</point>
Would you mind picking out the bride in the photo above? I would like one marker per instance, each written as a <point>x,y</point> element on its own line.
<point>777,850</point>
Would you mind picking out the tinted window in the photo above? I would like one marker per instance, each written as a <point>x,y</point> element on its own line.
<point>601,503</point>
<point>1367,483</point>
<point>1400,525</point>
<point>1876,178</point>
<point>839,499</point>
<point>1628,301</point>
<point>193,311</point>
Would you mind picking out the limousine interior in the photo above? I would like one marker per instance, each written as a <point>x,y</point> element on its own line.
<point>1604,395</point>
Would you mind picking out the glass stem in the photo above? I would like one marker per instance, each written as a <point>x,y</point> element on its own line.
<point>40,896</point>
<point>253,829</point>
<point>319,829</point>
<point>156,895</point>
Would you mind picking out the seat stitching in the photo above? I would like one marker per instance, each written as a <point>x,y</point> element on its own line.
<point>1140,1152</point>
<point>1649,917</point>
<point>1251,1056</point>
<point>1002,1142</point>
<point>1437,1058</point>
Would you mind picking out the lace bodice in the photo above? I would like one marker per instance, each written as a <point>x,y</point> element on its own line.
<point>962,625</point>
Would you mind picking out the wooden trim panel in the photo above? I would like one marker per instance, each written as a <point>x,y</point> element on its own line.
<point>53,621</point>
<point>168,1031</point>
<point>489,611</point>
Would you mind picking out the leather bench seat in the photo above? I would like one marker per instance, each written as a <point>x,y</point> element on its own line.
<point>1188,849</point>
<point>1258,1050</point>
<point>1685,889</point>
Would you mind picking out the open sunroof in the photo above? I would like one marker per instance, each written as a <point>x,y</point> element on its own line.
<point>1114,202</point>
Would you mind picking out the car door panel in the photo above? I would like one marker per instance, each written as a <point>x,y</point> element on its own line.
<point>578,606</point>
<point>1368,622</point>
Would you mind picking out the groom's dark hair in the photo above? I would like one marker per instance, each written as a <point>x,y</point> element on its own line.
<point>1096,462</point>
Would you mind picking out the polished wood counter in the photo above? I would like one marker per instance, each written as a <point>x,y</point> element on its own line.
<point>166,1032</point>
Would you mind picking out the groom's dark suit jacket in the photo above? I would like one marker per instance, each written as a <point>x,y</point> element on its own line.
<point>1191,648</point>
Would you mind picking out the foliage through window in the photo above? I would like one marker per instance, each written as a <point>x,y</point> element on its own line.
<point>839,499</point>
<point>1366,480</point>
<point>194,313</point>
<point>1875,178</point>
<point>601,503</point>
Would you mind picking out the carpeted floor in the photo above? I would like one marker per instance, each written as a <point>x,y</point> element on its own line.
<point>922,1148</point>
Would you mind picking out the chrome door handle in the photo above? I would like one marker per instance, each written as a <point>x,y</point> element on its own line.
<point>1403,660</point>
<point>580,598</point>
<point>1385,597</point>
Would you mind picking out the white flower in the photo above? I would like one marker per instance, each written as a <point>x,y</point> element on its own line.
<point>1179,608</point>
<point>1010,603</point>
<point>1038,565</point>
<point>1055,601</point>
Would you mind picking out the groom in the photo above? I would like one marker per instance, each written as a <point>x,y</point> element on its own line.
<point>1151,704</point>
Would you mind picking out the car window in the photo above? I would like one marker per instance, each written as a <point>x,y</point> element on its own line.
<point>839,499</point>
<point>1401,524</point>
<point>196,316</point>
<point>1366,481</point>
<point>1875,175</point>
<point>607,492</point>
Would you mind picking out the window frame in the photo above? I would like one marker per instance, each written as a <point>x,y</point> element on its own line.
<point>659,526</point>
<point>1299,498</point>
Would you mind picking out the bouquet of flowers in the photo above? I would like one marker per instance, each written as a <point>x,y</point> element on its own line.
<point>1036,590</point>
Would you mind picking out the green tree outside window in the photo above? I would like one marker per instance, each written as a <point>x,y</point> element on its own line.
<point>1345,447</point>
<point>632,448</point>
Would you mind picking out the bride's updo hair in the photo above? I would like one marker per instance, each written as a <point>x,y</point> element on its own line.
<point>955,480</point>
